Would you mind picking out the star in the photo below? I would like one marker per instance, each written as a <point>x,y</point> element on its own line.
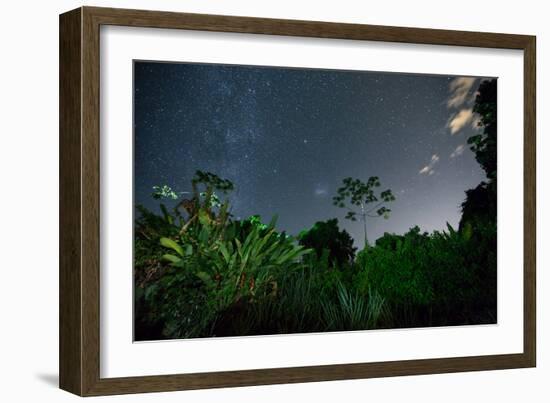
<point>243,123</point>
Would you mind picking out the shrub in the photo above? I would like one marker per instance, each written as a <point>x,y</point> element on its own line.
<point>229,272</point>
<point>443,278</point>
<point>325,235</point>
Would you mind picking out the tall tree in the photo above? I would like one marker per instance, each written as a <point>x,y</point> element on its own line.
<point>480,205</point>
<point>360,199</point>
<point>484,144</point>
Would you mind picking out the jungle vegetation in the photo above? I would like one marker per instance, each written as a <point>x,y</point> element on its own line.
<point>199,272</point>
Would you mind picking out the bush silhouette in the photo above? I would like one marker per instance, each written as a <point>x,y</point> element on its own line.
<point>325,235</point>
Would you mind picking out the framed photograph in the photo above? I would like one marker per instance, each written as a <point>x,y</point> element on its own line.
<point>249,201</point>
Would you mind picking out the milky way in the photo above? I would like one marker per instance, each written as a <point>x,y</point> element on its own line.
<point>287,137</point>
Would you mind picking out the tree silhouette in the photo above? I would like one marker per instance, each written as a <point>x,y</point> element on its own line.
<point>484,145</point>
<point>325,235</point>
<point>480,205</point>
<point>362,195</point>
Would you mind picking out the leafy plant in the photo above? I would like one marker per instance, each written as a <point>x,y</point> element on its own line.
<point>201,273</point>
<point>442,278</point>
<point>164,192</point>
<point>352,310</point>
<point>231,270</point>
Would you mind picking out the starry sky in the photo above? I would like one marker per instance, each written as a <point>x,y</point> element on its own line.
<point>287,137</point>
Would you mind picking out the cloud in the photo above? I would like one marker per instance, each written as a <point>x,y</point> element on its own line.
<point>429,169</point>
<point>460,89</point>
<point>475,121</point>
<point>460,119</point>
<point>459,150</point>
<point>461,100</point>
<point>321,190</point>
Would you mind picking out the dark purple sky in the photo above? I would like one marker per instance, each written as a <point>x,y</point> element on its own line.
<point>287,137</point>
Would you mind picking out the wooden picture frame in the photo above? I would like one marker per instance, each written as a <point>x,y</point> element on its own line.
<point>79,201</point>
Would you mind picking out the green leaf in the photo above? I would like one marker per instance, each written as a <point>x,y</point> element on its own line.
<point>189,250</point>
<point>204,235</point>
<point>451,230</point>
<point>150,291</point>
<point>273,222</point>
<point>170,243</point>
<point>205,278</point>
<point>171,258</point>
<point>204,219</point>
<point>467,231</point>
<point>224,252</point>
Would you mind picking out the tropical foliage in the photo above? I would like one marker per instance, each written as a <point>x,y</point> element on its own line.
<point>199,272</point>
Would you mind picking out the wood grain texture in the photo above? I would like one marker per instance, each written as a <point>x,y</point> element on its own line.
<point>70,274</point>
<point>161,383</point>
<point>530,203</point>
<point>90,201</point>
<point>221,23</point>
<point>80,201</point>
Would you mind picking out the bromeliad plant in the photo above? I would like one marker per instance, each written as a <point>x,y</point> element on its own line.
<point>215,263</point>
<point>230,271</point>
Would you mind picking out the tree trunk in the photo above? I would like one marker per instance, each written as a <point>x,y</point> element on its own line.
<point>364,216</point>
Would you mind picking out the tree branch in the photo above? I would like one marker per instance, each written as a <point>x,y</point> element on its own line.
<point>375,207</point>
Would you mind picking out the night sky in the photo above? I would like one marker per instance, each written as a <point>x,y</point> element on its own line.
<point>287,137</point>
